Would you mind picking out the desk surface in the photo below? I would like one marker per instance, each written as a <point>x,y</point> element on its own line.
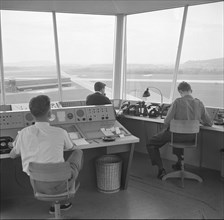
<point>219,128</point>
<point>96,143</point>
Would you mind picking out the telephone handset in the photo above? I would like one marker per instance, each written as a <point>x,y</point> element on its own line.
<point>125,105</point>
<point>133,110</point>
<point>164,109</point>
<point>5,144</point>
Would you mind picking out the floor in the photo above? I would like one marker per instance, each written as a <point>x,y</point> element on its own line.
<point>146,198</point>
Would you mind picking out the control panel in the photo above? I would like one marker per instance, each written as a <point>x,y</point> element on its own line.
<point>11,120</point>
<point>28,119</point>
<point>80,114</point>
<point>95,113</point>
<point>99,113</point>
<point>62,116</point>
<point>97,129</point>
<point>70,115</point>
<point>82,123</point>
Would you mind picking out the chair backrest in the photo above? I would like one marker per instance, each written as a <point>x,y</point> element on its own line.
<point>50,172</point>
<point>184,126</point>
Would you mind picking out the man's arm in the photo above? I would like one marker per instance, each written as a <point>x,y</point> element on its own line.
<point>205,118</point>
<point>68,143</point>
<point>14,152</point>
<point>170,115</point>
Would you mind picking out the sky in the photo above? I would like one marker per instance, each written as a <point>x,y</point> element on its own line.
<point>152,38</point>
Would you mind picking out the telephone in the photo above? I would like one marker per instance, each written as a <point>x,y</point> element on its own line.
<point>133,110</point>
<point>142,108</point>
<point>154,111</point>
<point>5,143</point>
<point>125,104</point>
<point>124,107</point>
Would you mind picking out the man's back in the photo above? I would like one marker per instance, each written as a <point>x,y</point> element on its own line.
<point>42,143</point>
<point>188,108</point>
<point>97,99</point>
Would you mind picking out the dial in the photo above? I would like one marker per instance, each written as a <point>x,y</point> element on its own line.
<point>80,113</point>
<point>29,117</point>
<point>70,116</point>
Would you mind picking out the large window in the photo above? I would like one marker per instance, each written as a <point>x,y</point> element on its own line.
<point>202,53</point>
<point>152,41</point>
<point>86,52</point>
<point>29,56</point>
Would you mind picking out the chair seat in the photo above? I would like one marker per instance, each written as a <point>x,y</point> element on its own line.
<point>182,145</point>
<point>58,197</point>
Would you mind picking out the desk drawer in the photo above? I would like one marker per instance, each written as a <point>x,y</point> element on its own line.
<point>118,149</point>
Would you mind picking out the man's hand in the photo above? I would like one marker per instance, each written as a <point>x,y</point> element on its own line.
<point>13,154</point>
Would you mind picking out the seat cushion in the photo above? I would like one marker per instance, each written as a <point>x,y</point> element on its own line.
<point>183,145</point>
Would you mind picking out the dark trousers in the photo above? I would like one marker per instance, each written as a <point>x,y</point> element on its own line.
<point>159,140</point>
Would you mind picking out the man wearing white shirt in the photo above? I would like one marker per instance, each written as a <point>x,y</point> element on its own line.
<point>42,143</point>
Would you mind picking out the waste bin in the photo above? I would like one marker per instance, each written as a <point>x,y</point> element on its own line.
<point>222,162</point>
<point>108,173</point>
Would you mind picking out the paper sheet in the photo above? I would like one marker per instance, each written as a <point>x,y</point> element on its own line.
<point>107,132</point>
<point>80,141</point>
<point>74,135</point>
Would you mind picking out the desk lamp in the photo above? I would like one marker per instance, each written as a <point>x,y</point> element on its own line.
<point>147,94</point>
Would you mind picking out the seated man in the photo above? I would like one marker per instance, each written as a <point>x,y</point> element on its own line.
<point>99,97</point>
<point>42,143</point>
<point>184,108</point>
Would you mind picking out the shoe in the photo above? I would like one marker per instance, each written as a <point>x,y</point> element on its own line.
<point>161,173</point>
<point>176,166</point>
<point>63,207</point>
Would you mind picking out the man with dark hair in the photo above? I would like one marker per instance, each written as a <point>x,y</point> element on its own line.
<point>184,108</point>
<point>42,143</point>
<point>99,97</point>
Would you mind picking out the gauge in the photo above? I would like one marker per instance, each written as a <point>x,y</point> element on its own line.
<point>70,116</point>
<point>80,113</point>
<point>29,117</point>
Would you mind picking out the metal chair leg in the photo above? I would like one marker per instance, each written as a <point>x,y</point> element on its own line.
<point>182,171</point>
<point>57,210</point>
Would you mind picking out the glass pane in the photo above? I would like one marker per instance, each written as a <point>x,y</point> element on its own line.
<point>29,56</point>
<point>202,53</point>
<point>152,41</point>
<point>86,52</point>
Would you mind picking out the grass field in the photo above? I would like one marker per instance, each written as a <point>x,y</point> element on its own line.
<point>207,87</point>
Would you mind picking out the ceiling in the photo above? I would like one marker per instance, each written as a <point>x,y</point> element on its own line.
<point>101,7</point>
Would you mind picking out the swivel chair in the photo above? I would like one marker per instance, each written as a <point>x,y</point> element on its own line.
<point>183,127</point>
<point>52,172</point>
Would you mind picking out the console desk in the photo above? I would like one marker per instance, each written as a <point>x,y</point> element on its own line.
<point>88,124</point>
<point>15,182</point>
<point>210,141</point>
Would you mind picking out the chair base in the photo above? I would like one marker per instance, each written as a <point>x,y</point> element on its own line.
<point>183,175</point>
<point>58,211</point>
